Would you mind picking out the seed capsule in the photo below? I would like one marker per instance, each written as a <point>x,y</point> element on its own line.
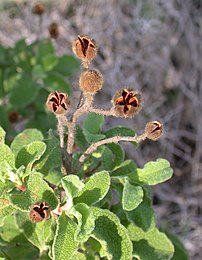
<point>154,130</point>
<point>84,48</point>
<point>90,81</point>
<point>54,30</point>
<point>39,9</point>
<point>126,103</point>
<point>39,211</point>
<point>58,102</point>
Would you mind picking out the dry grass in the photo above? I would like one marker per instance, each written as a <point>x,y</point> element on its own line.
<point>155,47</point>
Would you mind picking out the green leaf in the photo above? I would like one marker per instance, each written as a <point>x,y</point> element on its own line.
<point>95,188</point>
<point>143,216</point>
<point>93,123</point>
<point>39,234</point>
<point>132,196</point>
<point>180,251</point>
<point>112,235</point>
<point>55,81</point>
<point>79,256</point>
<point>85,220</point>
<point>112,156</point>
<point>72,185</point>
<point>6,209</point>
<point>6,156</point>
<point>24,138</point>
<point>64,245</point>
<point>92,138</point>
<point>44,48</point>
<point>13,243</point>
<point>2,136</point>
<point>119,130</point>
<point>25,92</point>
<point>38,72</point>
<point>161,246</point>
<point>49,62</point>
<point>155,172</point>
<point>29,154</point>
<point>80,139</point>
<point>37,190</point>
<point>67,65</point>
<point>126,168</point>
<point>51,159</point>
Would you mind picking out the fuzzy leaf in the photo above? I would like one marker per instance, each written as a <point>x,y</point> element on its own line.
<point>143,216</point>
<point>2,136</point>
<point>6,156</point>
<point>37,190</point>
<point>72,185</point>
<point>112,235</point>
<point>29,154</point>
<point>39,234</point>
<point>67,65</point>
<point>55,81</point>
<point>119,130</point>
<point>64,245</point>
<point>180,251</point>
<point>126,168</point>
<point>112,156</point>
<point>51,159</point>
<point>132,196</point>
<point>95,188</point>
<point>6,209</point>
<point>24,138</point>
<point>153,241</point>
<point>85,220</point>
<point>92,138</point>
<point>93,123</point>
<point>25,92</point>
<point>155,172</point>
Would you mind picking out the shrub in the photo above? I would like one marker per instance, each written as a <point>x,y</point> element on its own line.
<point>73,195</point>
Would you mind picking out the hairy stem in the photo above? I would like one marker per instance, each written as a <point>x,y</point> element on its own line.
<point>114,139</point>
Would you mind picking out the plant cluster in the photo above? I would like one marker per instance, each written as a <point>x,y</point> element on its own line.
<point>77,197</point>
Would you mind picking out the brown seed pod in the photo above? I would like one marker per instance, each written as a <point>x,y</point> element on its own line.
<point>39,9</point>
<point>154,130</point>
<point>126,103</point>
<point>39,211</point>
<point>91,81</point>
<point>54,30</point>
<point>58,103</point>
<point>84,48</point>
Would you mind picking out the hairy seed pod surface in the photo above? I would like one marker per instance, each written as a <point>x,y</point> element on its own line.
<point>58,103</point>
<point>126,103</point>
<point>39,9</point>
<point>84,48</point>
<point>154,130</point>
<point>54,30</point>
<point>91,81</point>
<point>39,211</point>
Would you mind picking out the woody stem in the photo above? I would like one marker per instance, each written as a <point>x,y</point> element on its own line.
<point>114,139</point>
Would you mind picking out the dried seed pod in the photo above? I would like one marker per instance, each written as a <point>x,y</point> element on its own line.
<point>39,211</point>
<point>39,9</point>
<point>84,48</point>
<point>58,103</point>
<point>154,130</point>
<point>54,30</point>
<point>126,103</point>
<point>91,81</point>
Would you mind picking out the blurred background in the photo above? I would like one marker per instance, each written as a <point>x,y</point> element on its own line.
<point>154,46</point>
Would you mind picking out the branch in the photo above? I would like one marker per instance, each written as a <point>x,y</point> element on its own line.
<point>114,139</point>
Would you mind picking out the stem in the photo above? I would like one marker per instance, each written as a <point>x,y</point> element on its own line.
<point>114,139</point>
<point>66,163</point>
<point>72,125</point>
<point>101,111</point>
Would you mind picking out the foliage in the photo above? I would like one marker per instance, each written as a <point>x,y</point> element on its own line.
<point>101,209</point>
